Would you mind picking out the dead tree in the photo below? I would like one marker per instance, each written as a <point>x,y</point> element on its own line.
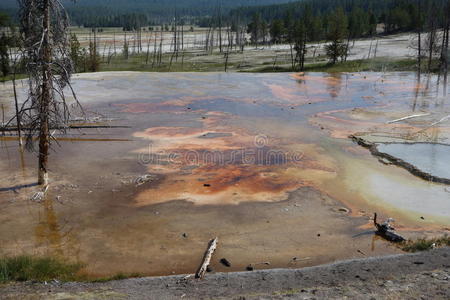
<point>16,103</point>
<point>148,48</point>
<point>445,42</point>
<point>431,38</point>
<point>46,52</point>
<point>419,40</point>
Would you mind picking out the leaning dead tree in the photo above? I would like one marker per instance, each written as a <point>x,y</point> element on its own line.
<point>46,53</point>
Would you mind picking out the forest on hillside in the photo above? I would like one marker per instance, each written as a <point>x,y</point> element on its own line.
<point>397,15</point>
<point>112,13</point>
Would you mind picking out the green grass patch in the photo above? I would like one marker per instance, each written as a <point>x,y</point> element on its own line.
<point>25,268</point>
<point>371,65</point>
<point>40,269</point>
<point>138,62</point>
<point>119,276</point>
<point>425,244</point>
<point>10,77</point>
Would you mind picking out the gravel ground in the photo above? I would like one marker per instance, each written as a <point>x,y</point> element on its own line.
<point>413,276</point>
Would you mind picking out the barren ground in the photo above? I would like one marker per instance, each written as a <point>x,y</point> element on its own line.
<point>417,276</point>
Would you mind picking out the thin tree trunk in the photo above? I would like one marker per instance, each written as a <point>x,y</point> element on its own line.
<point>114,42</point>
<point>447,31</point>
<point>148,49</point>
<point>44,136</point>
<point>419,50</point>
<point>292,57</point>
<point>226,61</point>
<point>19,125</point>
<point>376,49</point>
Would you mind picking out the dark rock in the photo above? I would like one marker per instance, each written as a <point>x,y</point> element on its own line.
<point>225,262</point>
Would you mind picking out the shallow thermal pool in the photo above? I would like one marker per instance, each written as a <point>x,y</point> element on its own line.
<point>430,158</point>
<point>262,161</point>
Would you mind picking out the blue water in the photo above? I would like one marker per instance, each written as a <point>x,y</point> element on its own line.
<point>428,157</point>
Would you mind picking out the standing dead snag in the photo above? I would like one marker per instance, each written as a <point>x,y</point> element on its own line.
<point>46,53</point>
<point>207,258</point>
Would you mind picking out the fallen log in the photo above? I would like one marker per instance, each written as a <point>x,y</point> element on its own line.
<point>8,129</point>
<point>386,231</point>
<point>407,118</point>
<point>207,258</point>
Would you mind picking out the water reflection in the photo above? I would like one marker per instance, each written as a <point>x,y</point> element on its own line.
<point>56,238</point>
<point>334,84</point>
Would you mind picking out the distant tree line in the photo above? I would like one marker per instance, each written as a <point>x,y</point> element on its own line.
<point>116,13</point>
<point>340,21</point>
<point>9,39</point>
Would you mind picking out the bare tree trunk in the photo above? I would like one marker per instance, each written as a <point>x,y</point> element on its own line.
<point>431,45</point>
<point>226,60</point>
<point>19,125</point>
<point>419,46</point>
<point>16,102</point>
<point>182,36</point>
<point>114,42</point>
<point>376,49</point>
<point>104,50</point>
<point>154,52</point>
<point>44,134</point>
<point>160,49</point>
<point>347,47</point>
<point>220,29</point>
<point>445,51</point>
<point>148,49</point>
<point>292,57</point>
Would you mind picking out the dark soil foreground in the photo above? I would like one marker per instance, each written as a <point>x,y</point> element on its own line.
<point>414,276</point>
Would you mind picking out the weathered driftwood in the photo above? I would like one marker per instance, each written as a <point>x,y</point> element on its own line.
<point>386,231</point>
<point>435,123</point>
<point>207,258</point>
<point>8,129</point>
<point>407,118</point>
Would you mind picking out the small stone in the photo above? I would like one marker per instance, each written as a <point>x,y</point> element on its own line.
<point>225,262</point>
